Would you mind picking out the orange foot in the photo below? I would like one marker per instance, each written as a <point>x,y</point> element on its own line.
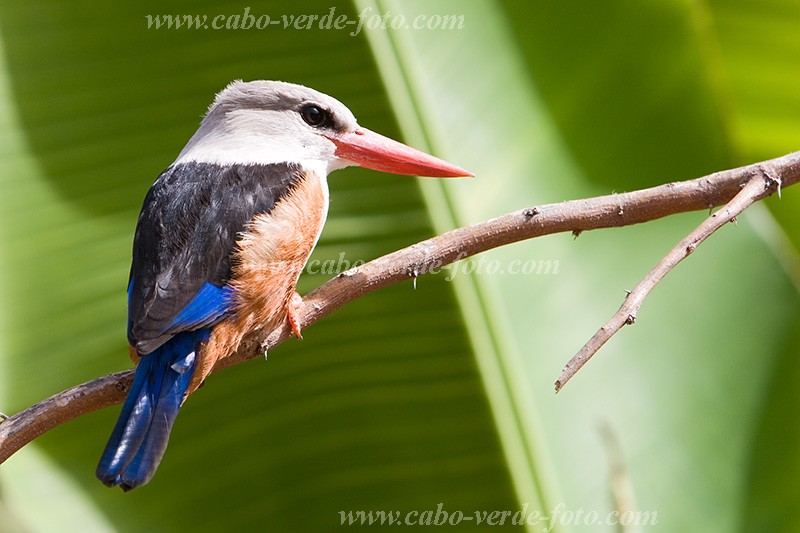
<point>293,314</point>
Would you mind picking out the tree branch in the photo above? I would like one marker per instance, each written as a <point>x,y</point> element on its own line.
<point>759,186</point>
<point>614,210</point>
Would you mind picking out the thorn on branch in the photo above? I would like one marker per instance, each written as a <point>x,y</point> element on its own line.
<point>349,273</point>
<point>530,212</point>
<point>773,180</point>
<point>414,274</point>
<point>576,233</point>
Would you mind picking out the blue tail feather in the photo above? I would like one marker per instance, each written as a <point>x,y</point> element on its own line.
<point>140,436</point>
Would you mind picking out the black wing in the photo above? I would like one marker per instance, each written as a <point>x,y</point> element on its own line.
<point>186,234</point>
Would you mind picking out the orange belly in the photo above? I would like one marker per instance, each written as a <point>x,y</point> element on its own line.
<point>269,258</point>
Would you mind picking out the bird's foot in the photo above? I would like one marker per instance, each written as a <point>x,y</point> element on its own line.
<point>293,314</point>
<point>134,355</point>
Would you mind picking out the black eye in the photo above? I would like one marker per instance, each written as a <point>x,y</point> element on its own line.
<point>315,116</point>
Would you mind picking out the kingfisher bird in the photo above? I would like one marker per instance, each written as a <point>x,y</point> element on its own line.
<point>221,240</point>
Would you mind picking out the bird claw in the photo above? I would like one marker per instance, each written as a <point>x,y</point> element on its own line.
<point>293,314</point>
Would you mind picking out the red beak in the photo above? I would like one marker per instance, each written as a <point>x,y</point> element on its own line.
<point>368,149</point>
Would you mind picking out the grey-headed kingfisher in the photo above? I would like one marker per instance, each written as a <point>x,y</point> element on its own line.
<point>221,240</point>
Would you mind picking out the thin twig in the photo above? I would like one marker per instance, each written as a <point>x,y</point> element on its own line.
<point>760,186</point>
<point>615,210</point>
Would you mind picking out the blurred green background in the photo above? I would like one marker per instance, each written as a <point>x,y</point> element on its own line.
<point>443,393</point>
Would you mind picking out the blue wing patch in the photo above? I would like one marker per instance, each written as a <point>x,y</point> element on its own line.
<point>207,305</point>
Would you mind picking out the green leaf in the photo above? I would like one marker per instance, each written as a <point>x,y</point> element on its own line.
<point>595,99</point>
<point>41,496</point>
<point>381,406</point>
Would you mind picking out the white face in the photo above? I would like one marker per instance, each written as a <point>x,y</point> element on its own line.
<point>263,122</point>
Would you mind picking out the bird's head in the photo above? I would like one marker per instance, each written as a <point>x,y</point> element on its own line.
<point>263,122</point>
